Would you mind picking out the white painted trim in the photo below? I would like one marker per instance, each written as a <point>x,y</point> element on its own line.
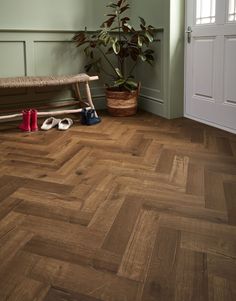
<point>211,124</point>
<point>185,59</point>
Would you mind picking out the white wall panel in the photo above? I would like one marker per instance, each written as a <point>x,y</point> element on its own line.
<point>57,58</point>
<point>151,77</point>
<point>12,58</point>
<point>41,53</point>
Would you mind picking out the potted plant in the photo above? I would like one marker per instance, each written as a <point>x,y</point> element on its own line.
<point>115,50</point>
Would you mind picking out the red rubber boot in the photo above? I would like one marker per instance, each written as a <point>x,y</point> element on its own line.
<point>34,120</point>
<point>26,116</point>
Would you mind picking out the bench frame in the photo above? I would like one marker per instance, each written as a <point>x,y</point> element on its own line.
<point>76,86</point>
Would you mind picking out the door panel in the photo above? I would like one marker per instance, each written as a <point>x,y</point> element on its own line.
<point>210,73</point>
<point>203,65</point>
<point>230,70</point>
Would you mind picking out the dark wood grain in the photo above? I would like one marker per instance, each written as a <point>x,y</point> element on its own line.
<point>132,209</point>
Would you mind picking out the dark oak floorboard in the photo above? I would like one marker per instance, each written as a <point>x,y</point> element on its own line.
<point>131,209</point>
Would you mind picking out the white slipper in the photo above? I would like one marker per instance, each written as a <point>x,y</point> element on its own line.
<point>50,123</point>
<point>65,124</point>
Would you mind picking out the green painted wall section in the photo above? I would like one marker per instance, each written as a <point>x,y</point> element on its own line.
<point>35,39</point>
<point>51,14</point>
<point>38,54</point>
<point>167,15</point>
<point>176,74</point>
<point>156,13</point>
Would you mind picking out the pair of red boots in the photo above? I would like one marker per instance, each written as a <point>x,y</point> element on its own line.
<point>30,121</point>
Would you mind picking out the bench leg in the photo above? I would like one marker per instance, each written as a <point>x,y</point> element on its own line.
<point>90,101</point>
<point>77,92</point>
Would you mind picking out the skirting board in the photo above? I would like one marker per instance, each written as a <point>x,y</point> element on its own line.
<point>152,106</point>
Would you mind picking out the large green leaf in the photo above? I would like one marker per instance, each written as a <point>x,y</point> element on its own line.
<point>140,41</point>
<point>120,2</point>
<point>148,51</point>
<point>119,82</point>
<point>132,84</point>
<point>128,26</point>
<point>143,57</point>
<point>112,5</point>
<point>118,72</point>
<point>143,22</point>
<point>124,8</point>
<point>87,51</point>
<point>116,47</point>
<point>149,36</point>
<point>125,19</point>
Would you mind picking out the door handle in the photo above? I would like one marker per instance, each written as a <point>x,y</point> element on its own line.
<point>189,34</point>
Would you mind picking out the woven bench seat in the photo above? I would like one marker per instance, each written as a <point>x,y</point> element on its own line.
<point>46,81</point>
<point>42,81</point>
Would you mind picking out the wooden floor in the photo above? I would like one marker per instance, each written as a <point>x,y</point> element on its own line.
<point>132,209</point>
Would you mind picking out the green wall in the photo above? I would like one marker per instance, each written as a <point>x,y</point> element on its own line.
<point>35,39</point>
<point>176,59</point>
<point>163,93</point>
<point>50,14</point>
<point>154,91</point>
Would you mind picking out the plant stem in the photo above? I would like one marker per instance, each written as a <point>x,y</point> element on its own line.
<point>132,69</point>
<point>119,35</point>
<point>107,73</point>
<point>103,54</point>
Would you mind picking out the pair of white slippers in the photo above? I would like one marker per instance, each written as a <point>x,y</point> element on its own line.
<point>63,124</point>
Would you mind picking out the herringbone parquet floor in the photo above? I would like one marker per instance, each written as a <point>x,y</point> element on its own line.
<point>132,209</point>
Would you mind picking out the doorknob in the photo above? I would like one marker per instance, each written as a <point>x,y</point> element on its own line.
<point>189,34</point>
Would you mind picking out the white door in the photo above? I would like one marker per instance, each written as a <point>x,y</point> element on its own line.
<point>210,71</point>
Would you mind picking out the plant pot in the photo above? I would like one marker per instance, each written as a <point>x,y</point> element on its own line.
<point>122,103</point>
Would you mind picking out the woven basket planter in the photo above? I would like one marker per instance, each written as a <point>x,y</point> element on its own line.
<point>122,103</point>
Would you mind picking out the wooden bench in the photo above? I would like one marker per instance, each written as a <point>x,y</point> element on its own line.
<point>47,81</point>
